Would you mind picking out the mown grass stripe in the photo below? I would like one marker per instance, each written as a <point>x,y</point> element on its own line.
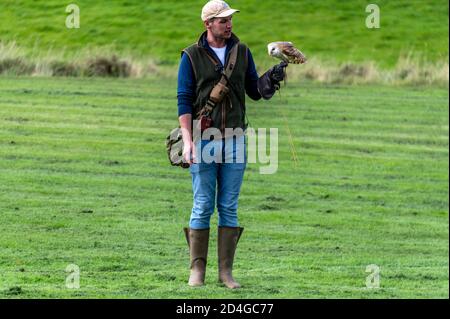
<point>80,179</point>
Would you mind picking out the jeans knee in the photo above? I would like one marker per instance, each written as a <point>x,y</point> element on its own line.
<point>227,207</point>
<point>203,208</point>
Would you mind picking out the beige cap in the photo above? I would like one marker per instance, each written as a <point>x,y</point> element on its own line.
<point>216,9</point>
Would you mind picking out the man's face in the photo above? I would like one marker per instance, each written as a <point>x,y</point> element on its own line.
<point>220,27</point>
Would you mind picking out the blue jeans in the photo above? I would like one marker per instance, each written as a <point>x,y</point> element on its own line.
<point>225,172</point>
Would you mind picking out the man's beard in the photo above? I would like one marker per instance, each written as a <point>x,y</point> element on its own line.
<point>223,36</point>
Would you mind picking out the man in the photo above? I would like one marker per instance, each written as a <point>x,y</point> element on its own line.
<point>201,69</point>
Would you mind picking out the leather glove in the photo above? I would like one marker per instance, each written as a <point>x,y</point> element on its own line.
<point>278,72</point>
<point>269,82</point>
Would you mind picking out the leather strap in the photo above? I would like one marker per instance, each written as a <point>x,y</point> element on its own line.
<point>232,61</point>
<point>226,74</point>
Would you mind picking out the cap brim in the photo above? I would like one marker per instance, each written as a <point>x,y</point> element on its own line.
<point>226,13</point>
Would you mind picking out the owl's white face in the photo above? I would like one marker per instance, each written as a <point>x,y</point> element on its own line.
<point>273,49</point>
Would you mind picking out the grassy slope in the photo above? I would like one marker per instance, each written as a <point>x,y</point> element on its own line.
<point>330,29</point>
<point>84,179</point>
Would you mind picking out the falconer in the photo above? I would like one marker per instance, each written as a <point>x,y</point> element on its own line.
<point>214,75</point>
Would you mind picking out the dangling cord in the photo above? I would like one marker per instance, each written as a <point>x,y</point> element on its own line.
<point>291,140</point>
<point>248,121</point>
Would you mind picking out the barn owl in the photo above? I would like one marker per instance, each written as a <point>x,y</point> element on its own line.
<point>287,52</point>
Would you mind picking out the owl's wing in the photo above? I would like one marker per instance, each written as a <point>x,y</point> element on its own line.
<point>294,55</point>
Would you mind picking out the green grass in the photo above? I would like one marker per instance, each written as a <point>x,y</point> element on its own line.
<point>84,179</point>
<point>329,30</point>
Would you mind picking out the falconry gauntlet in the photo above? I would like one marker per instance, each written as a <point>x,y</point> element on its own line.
<point>269,82</point>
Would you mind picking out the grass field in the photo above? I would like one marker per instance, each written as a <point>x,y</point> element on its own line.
<point>84,180</point>
<point>329,30</point>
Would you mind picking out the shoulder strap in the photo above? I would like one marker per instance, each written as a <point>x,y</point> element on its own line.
<point>226,74</point>
<point>232,61</point>
<point>228,70</point>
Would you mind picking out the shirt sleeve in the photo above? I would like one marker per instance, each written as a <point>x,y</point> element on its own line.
<point>186,86</point>
<point>251,79</point>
